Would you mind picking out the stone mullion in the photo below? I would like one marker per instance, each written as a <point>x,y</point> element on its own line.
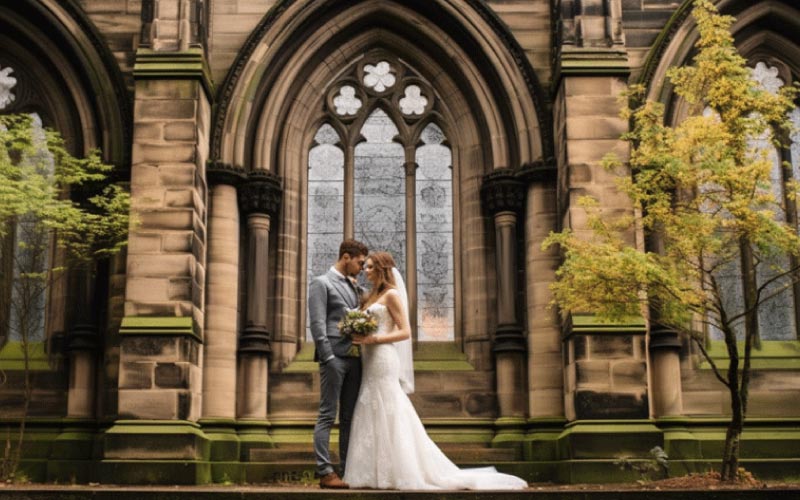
<point>503,196</point>
<point>349,192</point>
<point>411,238</point>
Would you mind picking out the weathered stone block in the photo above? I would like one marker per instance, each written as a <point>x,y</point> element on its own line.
<point>148,404</point>
<point>179,198</point>
<point>605,405</point>
<point>594,372</point>
<point>168,153</point>
<point>141,242</point>
<point>177,174</point>
<point>628,374</point>
<point>147,348</point>
<point>180,131</point>
<point>172,375</point>
<point>611,346</point>
<point>136,375</point>
<point>167,265</point>
<point>180,289</point>
<point>147,289</point>
<point>177,241</point>
<point>165,109</point>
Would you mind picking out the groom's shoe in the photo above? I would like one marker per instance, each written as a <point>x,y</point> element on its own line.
<point>332,481</point>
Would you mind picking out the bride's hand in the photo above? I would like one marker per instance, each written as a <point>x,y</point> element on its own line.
<point>364,339</point>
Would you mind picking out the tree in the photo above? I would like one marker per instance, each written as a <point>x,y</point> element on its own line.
<point>703,189</point>
<point>57,214</point>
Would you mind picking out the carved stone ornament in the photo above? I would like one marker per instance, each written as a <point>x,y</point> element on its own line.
<point>509,338</point>
<point>218,172</point>
<point>255,340</point>
<point>503,191</point>
<point>261,193</point>
<point>7,82</point>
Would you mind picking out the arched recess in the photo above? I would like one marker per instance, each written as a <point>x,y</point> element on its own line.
<point>65,71</point>
<point>66,74</point>
<point>763,30</point>
<point>272,102</point>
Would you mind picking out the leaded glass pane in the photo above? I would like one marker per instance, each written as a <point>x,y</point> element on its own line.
<point>325,203</point>
<point>435,276</point>
<point>31,248</point>
<point>775,314</point>
<point>379,183</point>
<point>731,286</point>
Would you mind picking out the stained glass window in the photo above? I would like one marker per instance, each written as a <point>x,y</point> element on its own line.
<point>389,146</point>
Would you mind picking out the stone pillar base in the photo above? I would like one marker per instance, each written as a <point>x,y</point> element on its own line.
<point>510,434</point>
<point>253,438</point>
<point>224,443</point>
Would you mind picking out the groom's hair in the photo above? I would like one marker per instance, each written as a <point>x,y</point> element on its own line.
<point>353,248</point>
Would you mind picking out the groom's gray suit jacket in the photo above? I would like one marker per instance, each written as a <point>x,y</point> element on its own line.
<point>329,297</point>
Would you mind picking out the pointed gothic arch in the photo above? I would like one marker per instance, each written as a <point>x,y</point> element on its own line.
<point>76,80</point>
<point>273,101</point>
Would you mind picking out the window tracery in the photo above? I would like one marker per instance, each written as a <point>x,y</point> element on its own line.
<point>380,139</point>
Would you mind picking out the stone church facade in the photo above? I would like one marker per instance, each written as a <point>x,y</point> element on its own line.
<point>457,134</point>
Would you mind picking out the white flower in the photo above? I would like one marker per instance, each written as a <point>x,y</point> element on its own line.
<point>379,77</point>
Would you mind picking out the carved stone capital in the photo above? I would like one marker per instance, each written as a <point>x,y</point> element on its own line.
<point>503,191</point>
<point>508,339</point>
<point>255,340</point>
<point>81,337</point>
<point>538,171</point>
<point>218,172</point>
<point>260,193</point>
<point>663,337</point>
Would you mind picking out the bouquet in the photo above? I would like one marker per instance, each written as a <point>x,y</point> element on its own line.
<point>357,322</point>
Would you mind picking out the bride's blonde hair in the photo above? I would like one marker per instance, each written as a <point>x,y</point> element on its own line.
<point>382,263</point>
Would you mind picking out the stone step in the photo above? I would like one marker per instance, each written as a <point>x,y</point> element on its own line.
<point>50,492</point>
<point>453,452</point>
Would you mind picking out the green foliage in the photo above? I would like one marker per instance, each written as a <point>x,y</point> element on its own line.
<point>700,185</point>
<point>37,173</point>
<point>703,190</point>
<point>56,213</point>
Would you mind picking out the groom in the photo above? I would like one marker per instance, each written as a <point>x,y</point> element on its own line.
<point>329,297</point>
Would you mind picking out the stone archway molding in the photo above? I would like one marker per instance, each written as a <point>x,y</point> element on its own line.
<point>504,68</point>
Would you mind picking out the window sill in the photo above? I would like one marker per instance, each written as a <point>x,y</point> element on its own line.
<point>12,357</point>
<point>773,355</point>
<point>428,357</point>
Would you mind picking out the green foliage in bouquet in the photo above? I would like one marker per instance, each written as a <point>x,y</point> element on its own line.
<point>357,322</point>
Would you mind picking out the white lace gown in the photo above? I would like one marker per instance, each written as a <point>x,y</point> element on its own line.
<point>389,448</point>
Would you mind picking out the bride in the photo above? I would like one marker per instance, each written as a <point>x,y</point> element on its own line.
<point>389,448</point>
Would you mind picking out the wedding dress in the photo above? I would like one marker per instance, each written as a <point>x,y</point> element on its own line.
<point>389,448</point>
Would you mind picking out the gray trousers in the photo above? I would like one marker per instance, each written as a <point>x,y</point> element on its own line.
<point>339,381</point>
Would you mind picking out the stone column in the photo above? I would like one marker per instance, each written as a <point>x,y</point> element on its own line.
<point>545,346</point>
<point>82,346</point>
<point>160,376</point>
<point>664,347</point>
<point>259,200</point>
<point>503,196</point>
<point>222,315</point>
